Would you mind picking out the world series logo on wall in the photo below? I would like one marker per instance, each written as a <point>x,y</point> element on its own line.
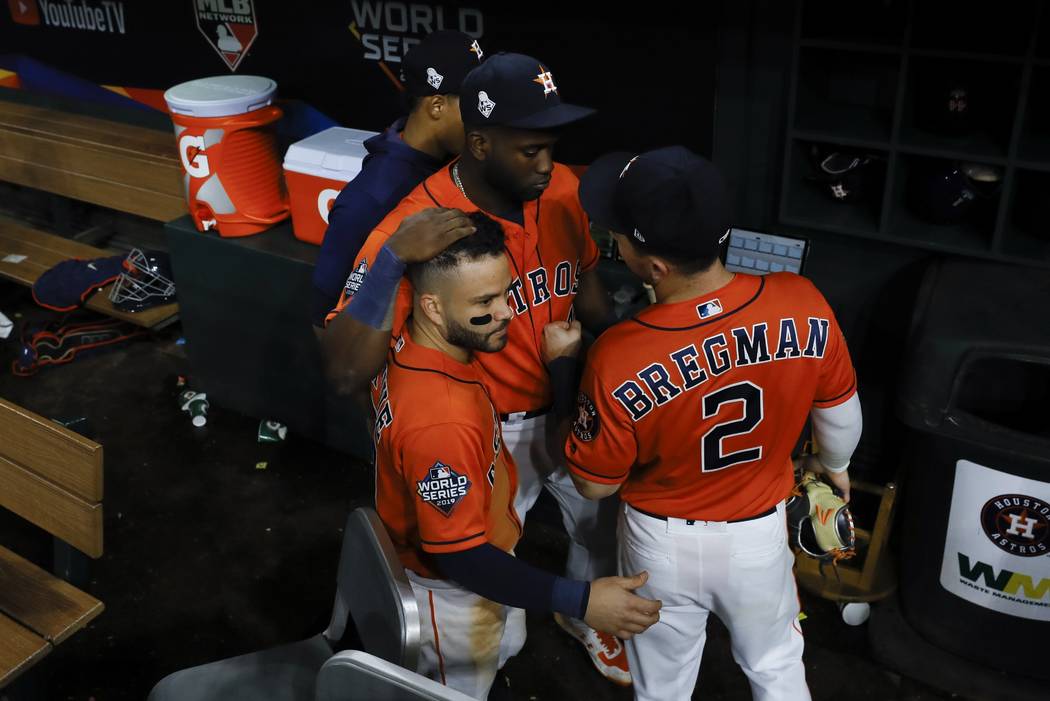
<point>229,26</point>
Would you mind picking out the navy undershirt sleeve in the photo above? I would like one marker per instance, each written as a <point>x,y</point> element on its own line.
<point>564,386</point>
<point>377,292</point>
<point>353,217</point>
<point>499,576</point>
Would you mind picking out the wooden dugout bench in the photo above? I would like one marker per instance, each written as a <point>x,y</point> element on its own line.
<point>125,167</point>
<point>114,164</point>
<point>26,253</point>
<point>51,477</point>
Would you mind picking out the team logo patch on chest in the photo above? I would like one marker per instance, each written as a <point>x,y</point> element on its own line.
<point>587,423</point>
<point>353,283</point>
<point>443,487</point>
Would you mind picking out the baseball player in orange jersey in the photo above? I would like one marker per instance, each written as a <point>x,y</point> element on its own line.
<point>445,484</point>
<point>691,410</point>
<point>511,111</point>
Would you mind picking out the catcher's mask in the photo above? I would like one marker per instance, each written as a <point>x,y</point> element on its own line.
<point>147,281</point>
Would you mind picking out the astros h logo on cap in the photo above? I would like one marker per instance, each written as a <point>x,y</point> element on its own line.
<point>547,81</point>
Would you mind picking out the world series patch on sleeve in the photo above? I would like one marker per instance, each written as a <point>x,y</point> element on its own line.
<point>443,488</point>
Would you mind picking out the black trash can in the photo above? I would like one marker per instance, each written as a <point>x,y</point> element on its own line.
<point>975,530</point>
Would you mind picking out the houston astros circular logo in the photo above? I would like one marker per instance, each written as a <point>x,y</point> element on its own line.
<point>1018,524</point>
<point>587,423</point>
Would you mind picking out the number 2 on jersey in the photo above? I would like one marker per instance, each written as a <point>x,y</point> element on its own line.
<point>711,456</point>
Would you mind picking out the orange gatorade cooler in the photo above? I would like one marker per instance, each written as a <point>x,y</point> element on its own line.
<point>316,169</point>
<point>228,148</point>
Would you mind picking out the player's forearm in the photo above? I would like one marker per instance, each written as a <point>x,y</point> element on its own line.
<point>837,432</point>
<point>354,215</point>
<point>592,303</point>
<point>355,342</point>
<point>498,576</point>
<point>353,353</point>
<point>593,490</point>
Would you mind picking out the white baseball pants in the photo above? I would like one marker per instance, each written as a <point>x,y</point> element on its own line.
<point>464,638</point>
<point>741,572</point>
<point>591,525</point>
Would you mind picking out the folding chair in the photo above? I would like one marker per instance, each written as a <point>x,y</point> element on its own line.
<point>372,588</point>
<point>353,674</point>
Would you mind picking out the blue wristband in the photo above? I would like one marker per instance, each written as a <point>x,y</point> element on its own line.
<point>370,303</point>
<point>570,597</point>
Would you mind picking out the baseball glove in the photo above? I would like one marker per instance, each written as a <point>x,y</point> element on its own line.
<point>819,521</point>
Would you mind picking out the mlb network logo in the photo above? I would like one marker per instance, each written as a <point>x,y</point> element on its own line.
<point>24,11</point>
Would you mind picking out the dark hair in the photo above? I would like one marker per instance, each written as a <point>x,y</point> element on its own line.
<point>684,264</point>
<point>410,102</point>
<point>486,241</point>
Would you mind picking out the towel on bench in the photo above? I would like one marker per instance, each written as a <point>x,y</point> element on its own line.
<point>66,286</point>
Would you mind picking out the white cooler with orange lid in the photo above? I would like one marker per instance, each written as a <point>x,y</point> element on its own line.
<point>228,148</point>
<point>316,169</point>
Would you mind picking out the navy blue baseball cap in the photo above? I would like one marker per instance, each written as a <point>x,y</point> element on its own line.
<point>518,91</point>
<point>669,201</point>
<point>438,64</point>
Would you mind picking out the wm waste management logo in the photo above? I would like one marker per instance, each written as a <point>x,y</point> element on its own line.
<point>1003,584</point>
<point>443,487</point>
<point>995,550</point>
<point>229,26</point>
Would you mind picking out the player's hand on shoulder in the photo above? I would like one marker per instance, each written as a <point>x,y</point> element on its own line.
<point>423,235</point>
<point>561,339</point>
<point>614,608</point>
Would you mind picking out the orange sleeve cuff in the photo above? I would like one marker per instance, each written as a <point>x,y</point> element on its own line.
<point>585,474</point>
<point>839,399</point>
<point>453,546</point>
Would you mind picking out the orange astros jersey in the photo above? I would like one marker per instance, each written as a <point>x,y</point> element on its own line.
<point>696,406</point>
<point>443,481</point>
<point>546,258</point>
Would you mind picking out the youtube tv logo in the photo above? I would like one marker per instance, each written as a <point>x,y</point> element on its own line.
<point>24,11</point>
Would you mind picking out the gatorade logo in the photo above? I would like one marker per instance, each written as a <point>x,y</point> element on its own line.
<point>24,11</point>
<point>194,160</point>
<point>325,201</point>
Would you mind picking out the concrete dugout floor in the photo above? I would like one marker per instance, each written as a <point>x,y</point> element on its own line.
<point>207,556</point>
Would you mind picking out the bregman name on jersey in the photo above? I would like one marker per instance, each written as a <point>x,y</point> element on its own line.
<point>695,363</point>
